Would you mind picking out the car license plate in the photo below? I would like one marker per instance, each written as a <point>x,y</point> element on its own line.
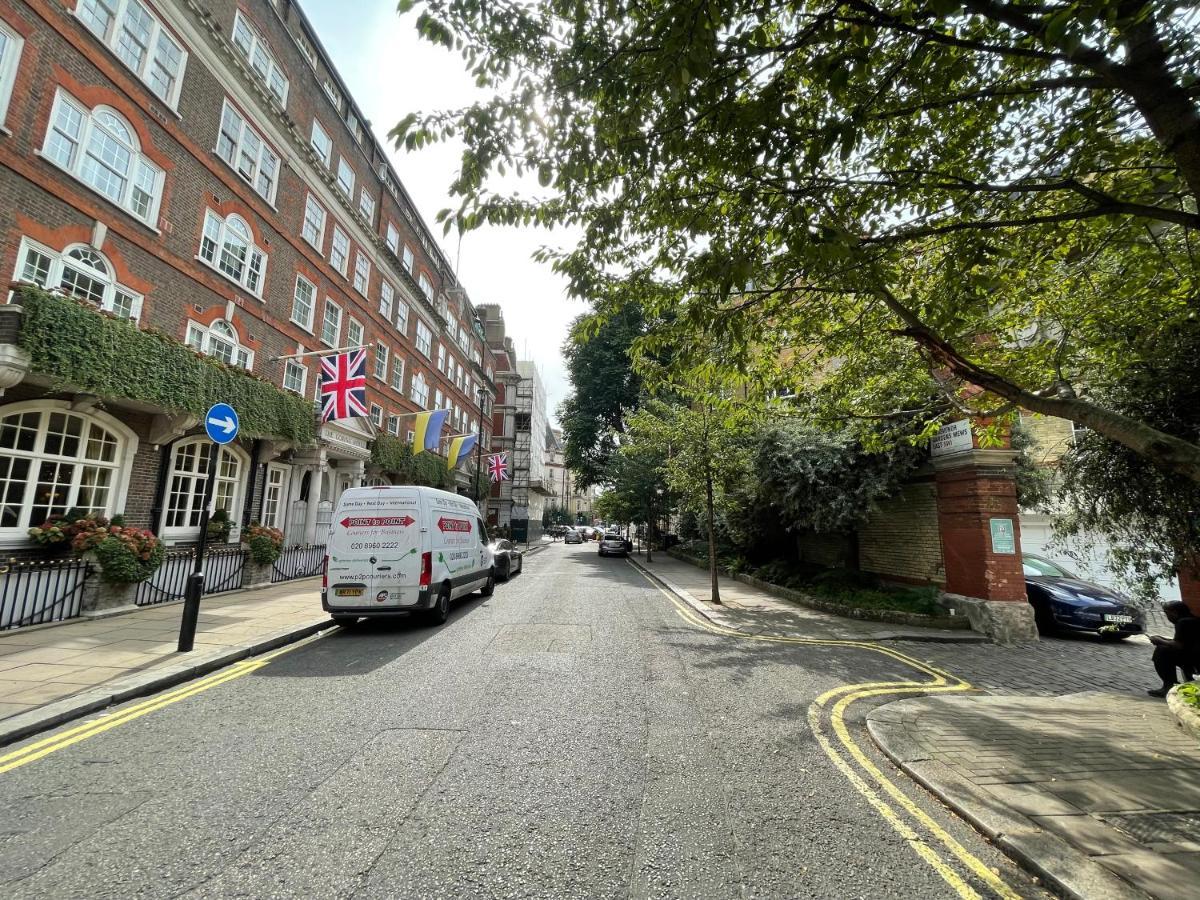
<point>1120,620</point>
<point>349,592</point>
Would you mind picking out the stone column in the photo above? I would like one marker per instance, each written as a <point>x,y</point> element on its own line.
<point>981,542</point>
<point>315,487</point>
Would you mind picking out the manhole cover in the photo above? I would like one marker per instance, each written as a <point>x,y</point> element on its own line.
<point>1159,828</point>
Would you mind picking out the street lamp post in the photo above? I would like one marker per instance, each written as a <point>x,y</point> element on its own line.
<point>479,452</point>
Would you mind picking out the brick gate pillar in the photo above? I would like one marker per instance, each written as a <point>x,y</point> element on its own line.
<point>981,541</point>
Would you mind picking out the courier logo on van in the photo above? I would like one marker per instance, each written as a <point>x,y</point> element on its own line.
<point>377,521</point>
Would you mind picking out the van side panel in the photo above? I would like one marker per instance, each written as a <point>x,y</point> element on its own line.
<point>459,556</point>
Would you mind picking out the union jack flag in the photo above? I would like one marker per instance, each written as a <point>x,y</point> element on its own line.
<point>344,385</point>
<point>498,467</point>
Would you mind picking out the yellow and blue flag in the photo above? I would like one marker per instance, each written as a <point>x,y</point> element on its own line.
<point>460,447</point>
<point>427,430</point>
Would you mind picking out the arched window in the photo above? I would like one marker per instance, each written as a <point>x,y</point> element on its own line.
<point>219,340</point>
<point>189,472</point>
<point>101,149</point>
<point>228,246</point>
<point>78,270</point>
<point>53,459</point>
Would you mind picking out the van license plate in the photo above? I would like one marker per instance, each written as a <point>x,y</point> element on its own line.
<point>349,592</point>
<point>1120,620</point>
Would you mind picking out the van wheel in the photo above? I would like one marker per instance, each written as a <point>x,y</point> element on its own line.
<point>489,587</point>
<point>441,607</point>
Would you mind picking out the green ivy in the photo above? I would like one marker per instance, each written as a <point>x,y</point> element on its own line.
<point>79,347</point>
<point>395,457</point>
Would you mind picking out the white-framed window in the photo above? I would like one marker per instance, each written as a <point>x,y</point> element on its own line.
<point>354,333</point>
<point>295,376</point>
<point>339,249</point>
<point>419,390</point>
<point>306,47</point>
<point>78,270</point>
<point>393,238</point>
<point>438,399</point>
<point>53,459</point>
<point>189,472</point>
<point>321,142</point>
<point>313,228</point>
<point>247,153</point>
<point>398,373</point>
<point>409,259</point>
<point>426,286</point>
<point>381,361</point>
<point>345,177</point>
<point>377,415</point>
<point>402,317</point>
<point>228,246</point>
<point>258,53</point>
<point>409,437</point>
<point>304,301</point>
<point>362,273</point>
<point>443,307</point>
<point>331,323</point>
<point>424,338</point>
<point>220,341</point>
<point>274,503</point>
<point>11,44</point>
<point>441,357</point>
<point>354,125</point>
<point>100,148</point>
<point>387,294</point>
<point>394,427</point>
<point>140,41</point>
<point>334,94</point>
<point>366,204</point>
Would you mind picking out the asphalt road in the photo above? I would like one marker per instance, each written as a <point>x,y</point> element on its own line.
<point>572,736</point>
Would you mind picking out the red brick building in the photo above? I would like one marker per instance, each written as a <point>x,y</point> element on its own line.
<point>202,169</point>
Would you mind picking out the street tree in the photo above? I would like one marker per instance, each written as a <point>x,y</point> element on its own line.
<point>604,389</point>
<point>910,197</point>
<point>703,442</point>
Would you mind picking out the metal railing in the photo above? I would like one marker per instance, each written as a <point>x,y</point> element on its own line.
<point>298,562</point>
<point>32,593</point>
<point>222,572</point>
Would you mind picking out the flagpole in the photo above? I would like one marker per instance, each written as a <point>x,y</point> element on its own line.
<point>323,352</point>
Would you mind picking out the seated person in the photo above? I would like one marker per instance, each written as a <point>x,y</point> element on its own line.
<point>1180,652</point>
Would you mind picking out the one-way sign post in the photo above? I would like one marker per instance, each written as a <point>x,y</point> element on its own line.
<point>221,423</point>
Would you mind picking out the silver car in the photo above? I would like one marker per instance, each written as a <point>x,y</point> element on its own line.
<point>613,544</point>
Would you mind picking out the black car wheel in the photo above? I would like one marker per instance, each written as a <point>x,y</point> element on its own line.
<point>489,586</point>
<point>1043,617</point>
<point>441,608</point>
<point>506,570</point>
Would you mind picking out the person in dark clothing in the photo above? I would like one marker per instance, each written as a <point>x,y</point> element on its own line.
<point>1180,652</point>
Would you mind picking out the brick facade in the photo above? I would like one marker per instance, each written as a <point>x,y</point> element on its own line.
<point>161,260</point>
<point>901,542</point>
<point>969,497</point>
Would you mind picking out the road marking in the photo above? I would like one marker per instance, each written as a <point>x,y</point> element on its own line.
<point>93,727</point>
<point>942,682</point>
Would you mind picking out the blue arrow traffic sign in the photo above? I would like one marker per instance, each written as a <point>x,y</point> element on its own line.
<point>221,423</point>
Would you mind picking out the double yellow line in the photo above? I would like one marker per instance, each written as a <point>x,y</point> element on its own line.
<point>99,725</point>
<point>918,829</point>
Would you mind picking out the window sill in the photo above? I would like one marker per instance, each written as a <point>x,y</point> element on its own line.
<point>91,190</point>
<point>270,201</point>
<point>249,293</point>
<point>307,329</point>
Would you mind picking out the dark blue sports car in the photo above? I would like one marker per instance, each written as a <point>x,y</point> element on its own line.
<point>1063,602</point>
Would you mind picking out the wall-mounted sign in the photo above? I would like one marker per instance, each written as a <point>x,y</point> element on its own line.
<point>1004,538</point>
<point>952,438</point>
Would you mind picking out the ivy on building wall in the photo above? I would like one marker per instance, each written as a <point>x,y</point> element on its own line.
<point>86,350</point>
<point>396,458</point>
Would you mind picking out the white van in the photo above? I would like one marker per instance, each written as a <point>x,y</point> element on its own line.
<point>401,550</point>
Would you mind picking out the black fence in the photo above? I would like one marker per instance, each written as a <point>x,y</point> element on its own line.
<point>32,593</point>
<point>222,572</point>
<point>298,562</point>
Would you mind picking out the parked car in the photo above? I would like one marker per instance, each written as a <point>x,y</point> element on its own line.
<point>1064,602</point>
<point>572,537</point>
<point>508,559</point>
<point>614,544</point>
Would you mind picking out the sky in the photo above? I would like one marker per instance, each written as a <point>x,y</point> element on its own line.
<point>391,72</point>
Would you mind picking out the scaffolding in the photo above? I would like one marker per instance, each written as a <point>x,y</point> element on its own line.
<point>522,444</point>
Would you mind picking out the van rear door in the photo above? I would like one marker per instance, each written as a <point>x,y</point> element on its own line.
<point>375,549</point>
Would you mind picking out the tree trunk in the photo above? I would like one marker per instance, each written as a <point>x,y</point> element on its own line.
<point>712,539</point>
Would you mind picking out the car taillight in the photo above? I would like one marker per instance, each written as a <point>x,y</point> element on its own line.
<point>426,569</point>
<point>325,573</point>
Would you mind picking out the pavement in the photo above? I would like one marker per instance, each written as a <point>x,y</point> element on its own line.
<point>51,673</point>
